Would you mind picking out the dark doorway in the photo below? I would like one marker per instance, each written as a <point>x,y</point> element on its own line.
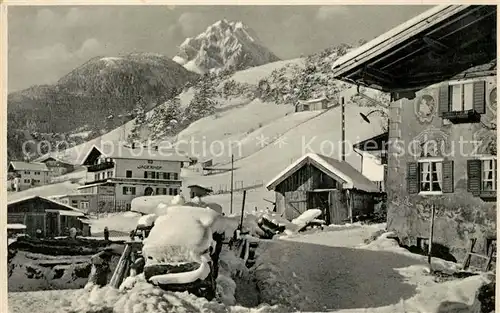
<point>52,225</point>
<point>320,200</point>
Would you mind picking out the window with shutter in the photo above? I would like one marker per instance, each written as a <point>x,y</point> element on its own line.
<point>430,175</point>
<point>482,177</point>
<point>479,97</point>
<point>444,100</point>
<point>463,102</point>
<point>474,176</point>
<point>412,177</point>
<point>448,180</point>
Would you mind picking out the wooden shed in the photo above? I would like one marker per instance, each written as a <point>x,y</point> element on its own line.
<point>312,105</point>
<point>198,191</point>
<point>315,181</point>
<point>51,217</point>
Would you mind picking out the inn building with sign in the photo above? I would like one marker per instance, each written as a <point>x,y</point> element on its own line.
<point>116,174</point>
<point>440,69</point>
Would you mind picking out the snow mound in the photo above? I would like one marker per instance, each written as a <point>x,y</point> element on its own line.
<point>135,295</point>
<point>307,217</point>
<point>223,45</point>
<point>181,235</point>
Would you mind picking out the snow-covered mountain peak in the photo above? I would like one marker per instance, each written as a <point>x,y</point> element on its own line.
<point>224,45</point>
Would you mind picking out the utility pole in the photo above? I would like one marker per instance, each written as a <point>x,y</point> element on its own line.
<point>342,105</point>
<point>232,177</point>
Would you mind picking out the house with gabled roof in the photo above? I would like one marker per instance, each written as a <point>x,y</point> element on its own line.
<point>118,173</point>
<point>28,174</point>
<point>440,68</point>
<point>56,166</point>
<point>315,181</point>
<point>52,218</point>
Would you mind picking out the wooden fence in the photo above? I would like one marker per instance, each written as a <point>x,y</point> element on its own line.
<point>238,186</point>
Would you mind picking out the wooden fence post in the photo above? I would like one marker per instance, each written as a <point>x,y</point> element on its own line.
<point>431,237</point>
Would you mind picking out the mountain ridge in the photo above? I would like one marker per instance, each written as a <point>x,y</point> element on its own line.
<point>224,45</point>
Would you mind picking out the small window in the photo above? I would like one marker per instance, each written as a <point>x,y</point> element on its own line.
<point>128,190</point>
<point>462,97</point>
<point>489,175</point>
<point>176,191</point>
<point>175,176</point>
<point>37,173</point>
<point>431,176</point>
<point>26,172</point>
<point>146,174</point>
<point>150,161</point>
<point>128,174</point>
<point>482,177</point>
<point>110,173</point>
<point>165,175</point>
<point>84,205</point>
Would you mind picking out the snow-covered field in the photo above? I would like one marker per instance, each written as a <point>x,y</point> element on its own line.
<point>333,270</point>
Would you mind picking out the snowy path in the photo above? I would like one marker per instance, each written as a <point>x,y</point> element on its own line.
<point>334,271</point>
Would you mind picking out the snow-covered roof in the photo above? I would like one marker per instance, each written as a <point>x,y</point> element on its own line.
<point>313,100</point>
<point>16,226</point>
<point>120,151</point>
<point>338,170</point>
<point>61,205</point>
<point>47,157</point>
<point>67,213</point>
<point>28,166</point>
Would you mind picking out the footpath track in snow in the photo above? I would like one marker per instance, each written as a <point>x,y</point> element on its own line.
<point>336,271</point>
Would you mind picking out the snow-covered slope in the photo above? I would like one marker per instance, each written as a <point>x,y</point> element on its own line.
<point>263,136</point>
<point>223,45</point>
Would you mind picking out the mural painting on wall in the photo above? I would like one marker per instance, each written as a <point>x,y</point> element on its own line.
<point>485,136</point>
<point>432,142</point>
<point>425,108</point>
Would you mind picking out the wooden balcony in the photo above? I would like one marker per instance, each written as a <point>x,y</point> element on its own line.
<point>100,167</point>
<point>458,117</point>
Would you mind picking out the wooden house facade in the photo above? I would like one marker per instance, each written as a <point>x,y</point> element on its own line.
<point>57,167</point>
<point>312,105</point>
<point>50,217</point>
<point>440,69</point>
<point>198,191</point>
<point>318,182</point>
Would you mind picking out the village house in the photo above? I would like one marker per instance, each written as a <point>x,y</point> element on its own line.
<point>50,217</point>
<point>57,167</point>
<point>85,202</point>
<point>198,191</point>
<point>312,105</point>
<point>315,181</point>
<point>118,173</point>
<point>440,68</point>
<point>26,175</point>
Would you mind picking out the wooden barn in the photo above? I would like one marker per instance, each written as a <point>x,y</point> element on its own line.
<point>198,191</point>
<point>315,181</point>
<point>57,167</point>
<point>312,105</point>
<point>51,217</point>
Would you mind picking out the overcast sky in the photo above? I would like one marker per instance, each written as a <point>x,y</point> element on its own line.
<point>47,42</point>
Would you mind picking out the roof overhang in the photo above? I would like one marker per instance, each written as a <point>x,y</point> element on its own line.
<point>432,47</point>
<point>309,158</point>
<point>377,143</point>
